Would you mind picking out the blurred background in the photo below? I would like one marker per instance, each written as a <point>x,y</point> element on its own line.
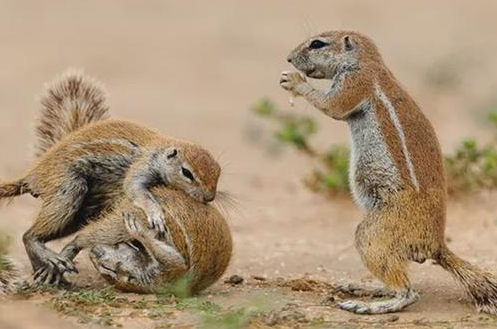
<point>193,69</point>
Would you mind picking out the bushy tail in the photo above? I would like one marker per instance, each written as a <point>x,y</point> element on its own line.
<point>480,285</point>
<point>13,189</point>
<point>10,276</point>
<point>69,103</point>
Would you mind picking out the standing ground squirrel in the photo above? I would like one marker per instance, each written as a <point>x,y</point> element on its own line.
<point>199,250</point>
<point>396,167</point>
<point>85,163</point>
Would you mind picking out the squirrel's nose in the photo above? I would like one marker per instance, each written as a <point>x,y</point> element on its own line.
<point>291,57</point>
<point>209,197</point>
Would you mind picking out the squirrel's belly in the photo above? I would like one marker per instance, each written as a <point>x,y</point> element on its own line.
<point>373,175</point>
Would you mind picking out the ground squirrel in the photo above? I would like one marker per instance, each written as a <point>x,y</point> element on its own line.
<point>396,167</point>
<point>84,163</point>
<point>199,250</point>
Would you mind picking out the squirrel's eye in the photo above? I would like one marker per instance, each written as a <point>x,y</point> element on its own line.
<point>316,44</point>
<point>187,173</point>
<point>172,154</point>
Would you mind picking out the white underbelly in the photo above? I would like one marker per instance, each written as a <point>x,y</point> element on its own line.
<point>372,173</point>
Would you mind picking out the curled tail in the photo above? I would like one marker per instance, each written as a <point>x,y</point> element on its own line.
<point>480,285</point>
<point>69,103</point>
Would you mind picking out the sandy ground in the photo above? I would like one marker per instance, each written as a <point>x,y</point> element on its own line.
<point>193,68</point>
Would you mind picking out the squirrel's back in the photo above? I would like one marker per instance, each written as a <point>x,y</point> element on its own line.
<point>69,103</point>
<point>200,233</point>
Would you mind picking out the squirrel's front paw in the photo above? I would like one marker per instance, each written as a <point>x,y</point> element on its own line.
<point>291,81</point>
<point>134,228</point>
<point>137,231</point>
<point>156,221</point>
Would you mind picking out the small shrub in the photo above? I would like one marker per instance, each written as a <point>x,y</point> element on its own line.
<point>469,169</point>
<point>472,167</point>
<point>292,129</point>
<point>330,168</point>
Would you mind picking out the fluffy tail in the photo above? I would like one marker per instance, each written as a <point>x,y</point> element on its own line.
<point>13,189</point>
<point>480,285</point>
<point>69,103</point>
<point>10,276</point>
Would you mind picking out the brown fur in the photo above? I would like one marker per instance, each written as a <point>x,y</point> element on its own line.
<point>70,102</point>
<point>206,253</point>
<point>10,277</point>
<point>407,224</point>
<point>85,164</point>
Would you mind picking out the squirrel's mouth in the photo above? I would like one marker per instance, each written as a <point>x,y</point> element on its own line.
<point>309,69</point>
<point>315,74</point>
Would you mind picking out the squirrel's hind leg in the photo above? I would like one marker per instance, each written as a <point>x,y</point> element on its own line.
<point>402,299</point>
<point>382,251</point>
<point>55,220</point>
<point>362,290</point>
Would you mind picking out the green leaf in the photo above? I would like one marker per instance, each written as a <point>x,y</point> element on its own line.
<point>264,108</point>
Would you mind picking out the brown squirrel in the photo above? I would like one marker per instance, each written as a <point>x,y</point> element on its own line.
<point>85,162</point>
<point>199,250</point>
<point>396,167</point>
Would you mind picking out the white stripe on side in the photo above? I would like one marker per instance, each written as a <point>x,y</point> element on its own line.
<point>189,246</point>
<point>393,116</point>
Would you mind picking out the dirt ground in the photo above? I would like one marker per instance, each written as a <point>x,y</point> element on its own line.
<point>192,69</point>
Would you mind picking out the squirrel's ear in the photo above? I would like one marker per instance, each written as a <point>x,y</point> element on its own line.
<point>171,153</point>
<point>348,43</point>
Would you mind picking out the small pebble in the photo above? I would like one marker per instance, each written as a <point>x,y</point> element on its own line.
<point>328,300</point>
<point>392,318</point>
<point>234,280</point>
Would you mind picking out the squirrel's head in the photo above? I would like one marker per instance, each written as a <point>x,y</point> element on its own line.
<point>329,53</point>
<point>122,265</point>
<point>192,169</point>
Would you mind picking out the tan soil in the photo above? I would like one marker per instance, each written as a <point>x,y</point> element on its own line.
<point>193,70</point>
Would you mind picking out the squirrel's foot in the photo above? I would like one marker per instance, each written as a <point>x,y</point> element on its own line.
<point>418,257</point>
<point>138,232</point>
<point>358,290</point>
<point>52,272</point>
<point>401,300</point>
<point>49,275</point>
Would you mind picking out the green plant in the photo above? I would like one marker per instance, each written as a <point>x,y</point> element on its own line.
<point>87,297</point>
<point>469,169</point>
<point>330,168</point>
<point>293,129</point>
<point>232,319</point>
<point>89,305</point>
<point>179,288</point>
<point>472,167</point>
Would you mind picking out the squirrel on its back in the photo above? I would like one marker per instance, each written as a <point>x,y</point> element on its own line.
<point>87,164</point>
<point>396,167</point>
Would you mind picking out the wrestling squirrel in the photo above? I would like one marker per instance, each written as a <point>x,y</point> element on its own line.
<point>85,162</point>
<point>133,258</point>
<point>397,173</point>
